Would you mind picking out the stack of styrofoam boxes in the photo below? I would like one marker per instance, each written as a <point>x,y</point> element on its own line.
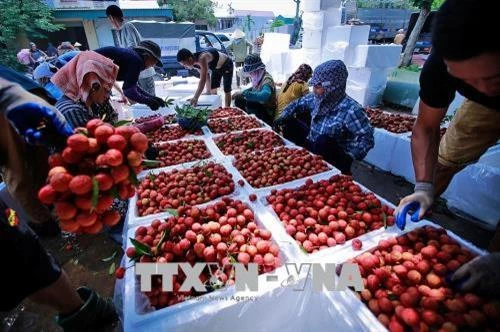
<point>312,36</point>
<point>274,53</point>
<point>369,70</point>
<point>341,42</point>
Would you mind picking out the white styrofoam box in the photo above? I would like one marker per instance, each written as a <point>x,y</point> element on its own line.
<point>181,90</point>
<point>333,17</point>
<point>326,4</point>
<point>402,162</point>
<point>475,189</point>
<point>313,20</point>
<point>366,95</point>
<point>382,153</point>
<point>273,43</point>
<point>210,101</point>
<point>350,34</point>
<point>338,51</point>
<point>294,59</point>
<point>367,76</point>
<point>311,5</point>
<point>139,110</point>
<point>312,56</point>
<point>312,39</point>
<point>377,56</point>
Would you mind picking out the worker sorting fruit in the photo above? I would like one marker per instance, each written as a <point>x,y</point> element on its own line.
<point>339,128</point>
<point>463,60</point>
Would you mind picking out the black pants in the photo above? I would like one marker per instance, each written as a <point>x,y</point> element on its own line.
<point>297,130</point>
<point>225,72</point>
<point>253,108</point>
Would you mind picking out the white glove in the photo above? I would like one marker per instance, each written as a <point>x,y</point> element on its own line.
<point>481,275</point>
<point>424,195</point>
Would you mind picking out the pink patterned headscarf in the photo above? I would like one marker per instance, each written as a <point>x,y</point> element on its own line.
<point>74,80</point>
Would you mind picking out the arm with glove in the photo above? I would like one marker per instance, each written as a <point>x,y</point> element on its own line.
<point>424,146</point>
<point>32,118</point>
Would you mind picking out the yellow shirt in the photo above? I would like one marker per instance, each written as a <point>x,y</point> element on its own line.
<point>294,91</point>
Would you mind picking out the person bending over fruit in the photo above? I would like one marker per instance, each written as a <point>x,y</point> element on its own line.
<point>339,128</point>
<point>28,270</point>
<point>219,64</point>
<point>467,61</point>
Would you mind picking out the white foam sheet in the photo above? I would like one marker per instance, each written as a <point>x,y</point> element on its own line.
<point>350,34</point>
<point>365,95</point>
<point>377,56</point>
<point>313,20</point>
<point>311,5</point>
<point>382,153</point>
<point>475,190</point>
<point>338,51</point>
<point>312,39</point>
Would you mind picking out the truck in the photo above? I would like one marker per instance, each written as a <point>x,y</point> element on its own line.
<point>171,37</point>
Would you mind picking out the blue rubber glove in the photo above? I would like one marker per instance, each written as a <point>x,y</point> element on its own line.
<point>420,201</point>
<point>27,119</point>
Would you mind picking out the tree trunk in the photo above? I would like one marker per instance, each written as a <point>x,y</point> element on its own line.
<point>412,40</point>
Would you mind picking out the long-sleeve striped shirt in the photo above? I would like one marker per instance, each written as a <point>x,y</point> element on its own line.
<point>347,123</point>
<point>76,114</point>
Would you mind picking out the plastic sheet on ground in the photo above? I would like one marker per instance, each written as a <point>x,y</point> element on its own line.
<point>475,190</point>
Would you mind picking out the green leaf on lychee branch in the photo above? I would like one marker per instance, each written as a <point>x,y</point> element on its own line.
<point>140,248</point>
<point>303,250</point>
<point>132,177</point>
<point>122,123</point>
<point>112,269</point>
<point>173,212</point>
<point>162,239</point>
<point>151,176</point>
<point>232,259</point>
<point>95,192</point>
<point>150,163</point>
<point>250,145</point>
<point>393,297</point>
<point>107,259</point>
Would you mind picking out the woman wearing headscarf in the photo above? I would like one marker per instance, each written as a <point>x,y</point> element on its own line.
<point>296,86</point>
<point>260,99</point>
<point>339,128</point>
<point>86,82</point>
<point>42,75</point>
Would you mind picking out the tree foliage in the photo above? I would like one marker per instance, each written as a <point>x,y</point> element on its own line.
<point>22,18</point>
<point>425,8</point>
<point>191,10</point>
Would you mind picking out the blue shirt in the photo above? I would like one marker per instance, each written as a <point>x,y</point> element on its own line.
<point>347,123</point>
<point>66,57</point>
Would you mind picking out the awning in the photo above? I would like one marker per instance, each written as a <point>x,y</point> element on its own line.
<point>90,14</point>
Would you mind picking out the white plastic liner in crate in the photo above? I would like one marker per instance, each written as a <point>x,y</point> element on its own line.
<point>371,322</point>
<point>133,213</point>
<point>136,306</point>
<point>141,110</point>
<point>209,133</point>
<point>275,308</point>
<point>475,190</point>
<point>190,136</point>
<point>215,153</point>
<point>212,140</point>
<point>331,252</point>
<point>382,153</point>
<point>331,170</point>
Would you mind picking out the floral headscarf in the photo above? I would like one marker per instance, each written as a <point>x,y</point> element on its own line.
<point>332,75</point>
<point>301,75</point>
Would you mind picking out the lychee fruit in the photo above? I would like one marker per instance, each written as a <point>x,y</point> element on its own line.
<point>81,184</point>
